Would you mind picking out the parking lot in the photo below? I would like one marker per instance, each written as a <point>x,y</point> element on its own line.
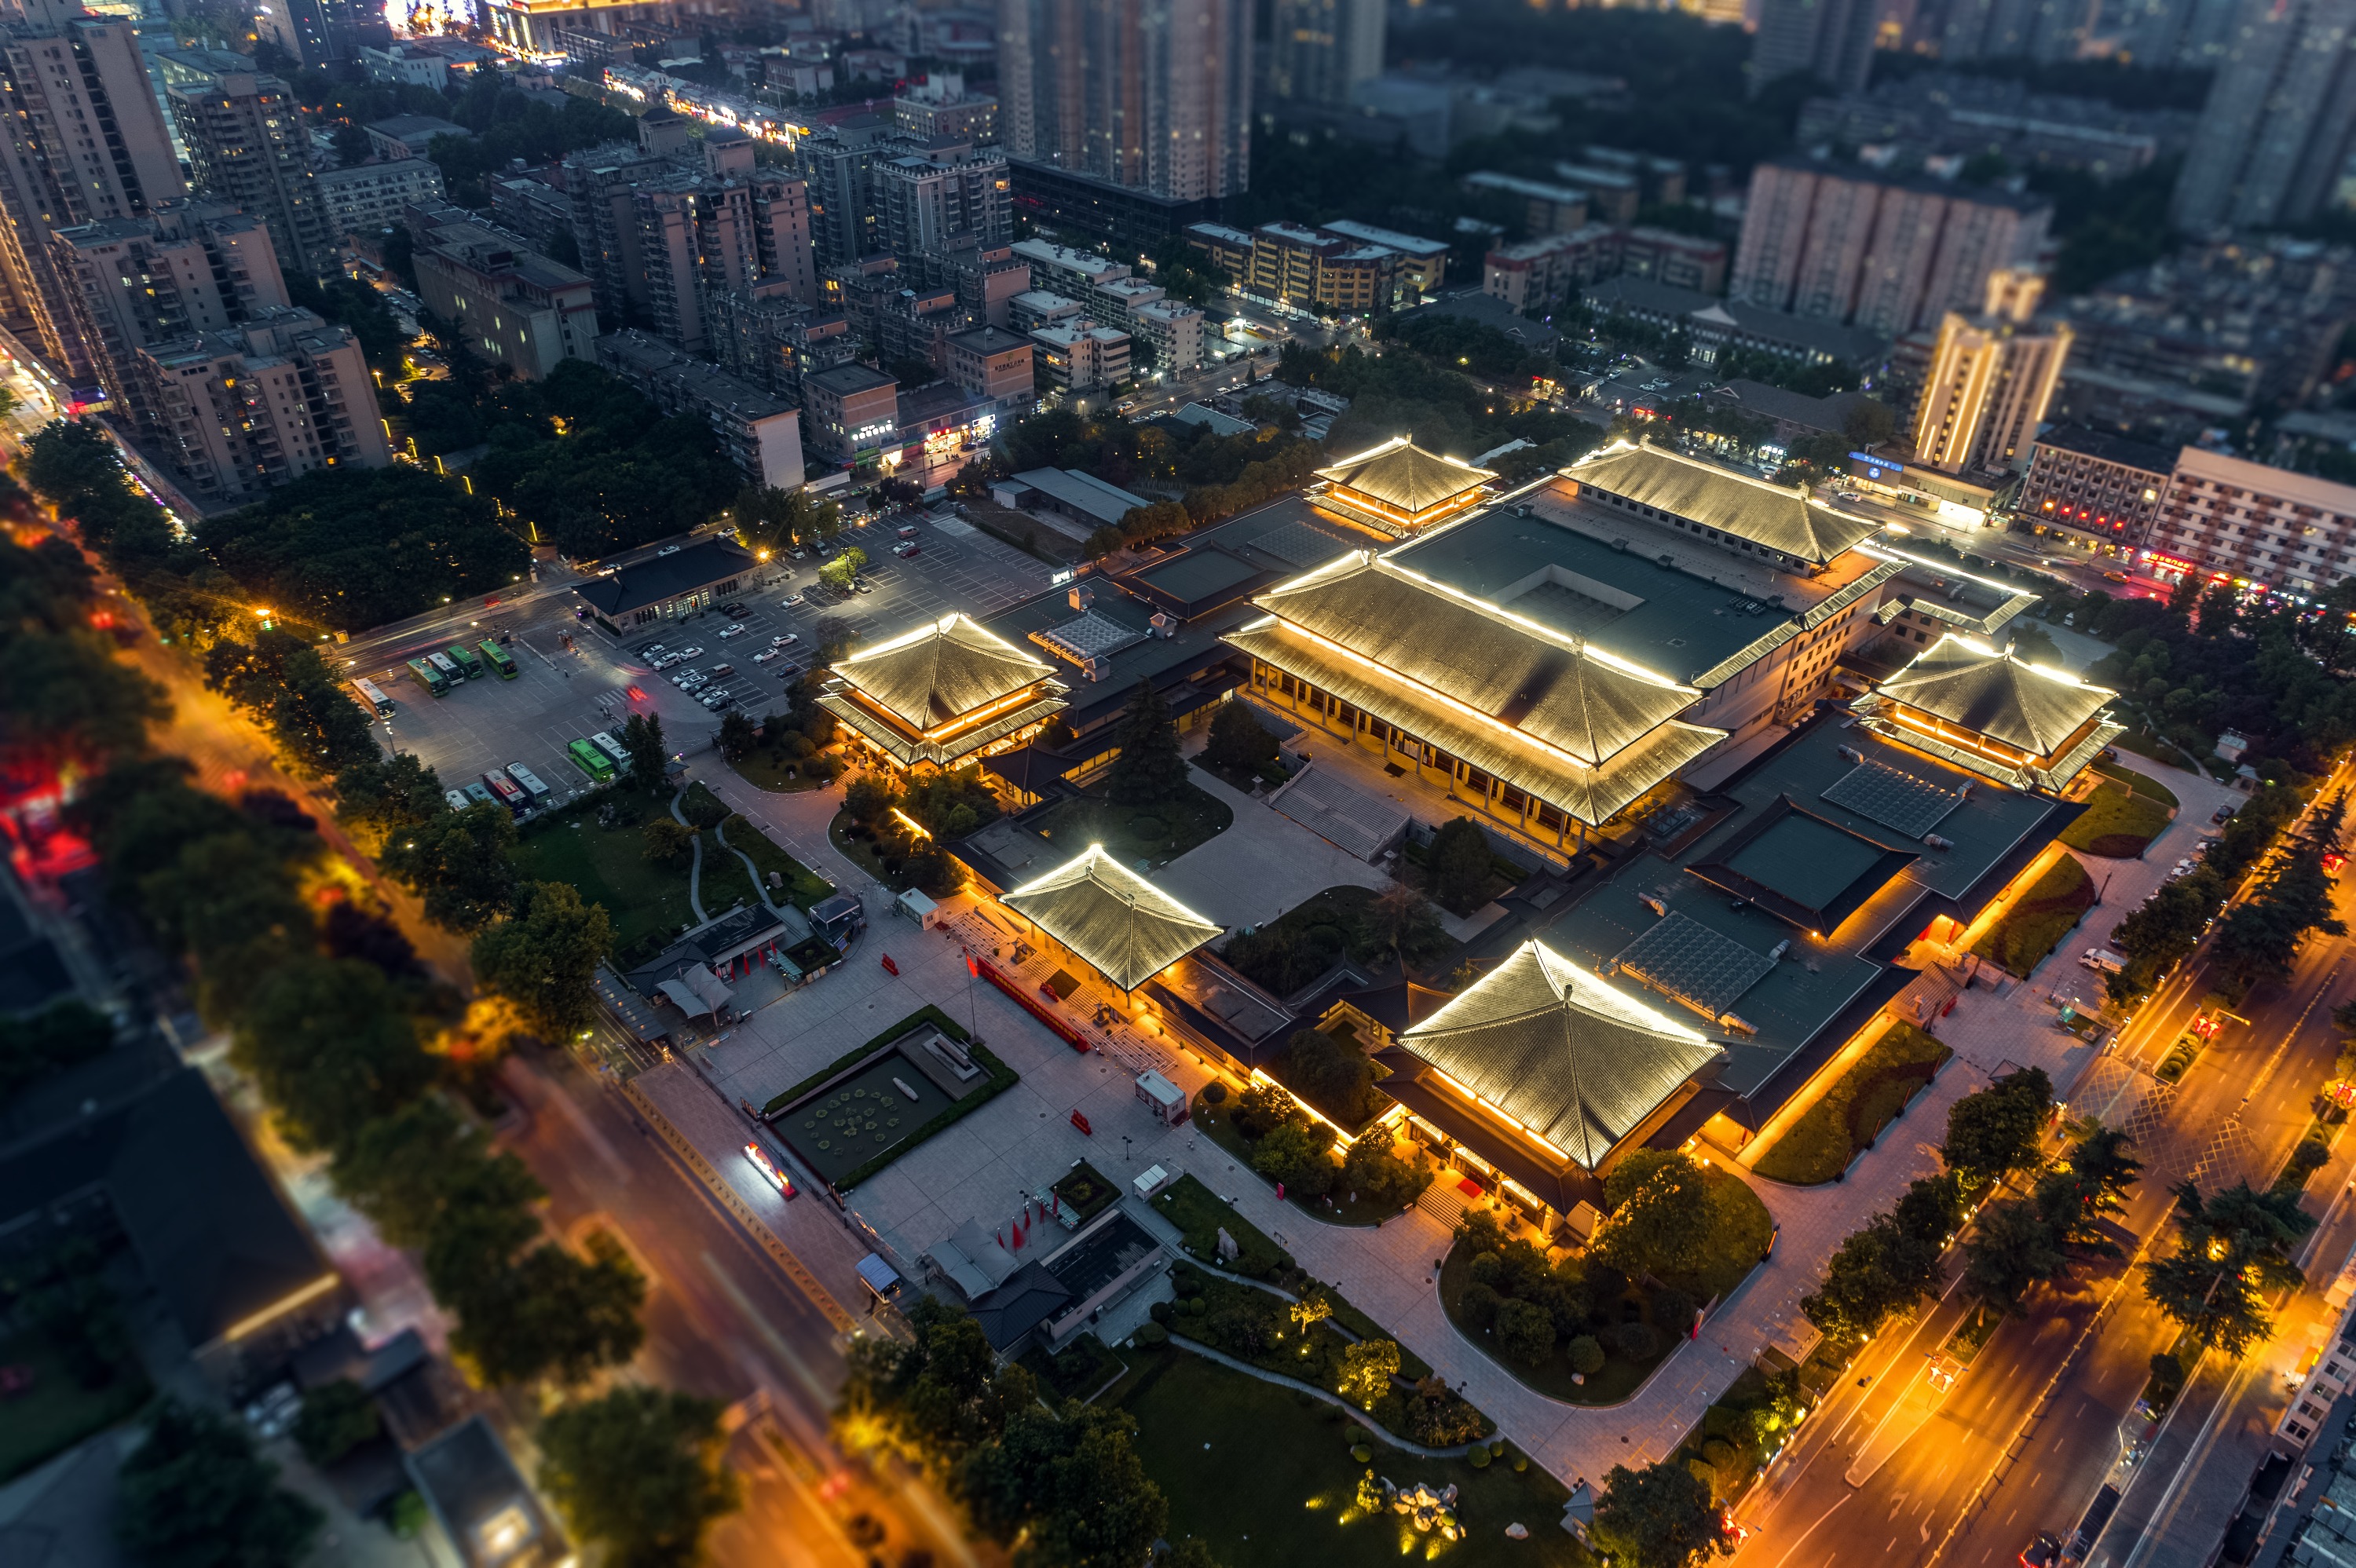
<point>573,680</point>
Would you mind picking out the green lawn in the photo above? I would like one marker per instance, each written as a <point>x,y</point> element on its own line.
<point>1741,1232</point>
<point>2142,783</point>
<point>1200,1214</point>
<point>609,866</point>
<point>803,885</point>
<point>2037,921</point>
<point>2119,822</point>
<point>1158,833</point>
<point>770,771</point>
<point>57,1412</point>
<point>1819,1144</point>
<point>1264,1475</point>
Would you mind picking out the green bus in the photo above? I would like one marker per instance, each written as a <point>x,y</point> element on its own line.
<point>501,660</point>
<point>469,662</point>
<point>432,679</point>
<point>589,761</point>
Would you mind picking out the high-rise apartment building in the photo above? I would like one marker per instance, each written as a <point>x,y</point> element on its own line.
<point>132,282</point>
<point>1320,50</point>
<point>671,226</point>
<point>277,396</point>
<point>1831,40</point>
<point>2011,29</point>
<point>2279,122</point>
<point>247,146</point>
<point>87,143</point>
<point>834,161</point>
<point>948,194</point>
<point>1150,97</point>
<point>323,32</point>
<point>1990,380</point>
<point>368,198</point>
<point>1888,253</point>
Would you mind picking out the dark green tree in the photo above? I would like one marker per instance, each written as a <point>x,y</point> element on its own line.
<point>2010,1250</point>
<point>406,1171</point>
<point>544,959</point>
<point>336,1418</point>
<point>637,1470</point>
<point>35,1045</point>
<point>1372,1171</point>
<point>1525,1331</point>
<point>2233,1249</point>
<point>1069,1486</point>
<point>738,735</point>
<point>642,738</point>
<point>331,1048</point>
<point>1460,863</point>
<point>460,864</point>
<point>195,1494</point>
<point>1239,741</point>
<point>1658,1517</point>
<point>376,799</point>
<point>1148,768</point>
<point>1294,1154</point>
<point>1331,1074</point>
<point>932,1401</point>
<point>1660,1219</point>
<point>544,1314</point>
<point>1995,1131</point>
<point>284,684</point>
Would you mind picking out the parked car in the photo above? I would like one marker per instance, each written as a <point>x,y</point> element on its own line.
<point>784,639</point>
<point>722,671</point>
<point>908,530</point>
<point>766,654</point>
<point>861,585</point>
<point>717,700</point>
<point>791,602</point>
<point>2222,813</point>
<point>907,548</point>
<point>689,679</point>
<point>734,629</point>
<point>2042,1552</point>
<point>734,612</point>
<point>691,652</point>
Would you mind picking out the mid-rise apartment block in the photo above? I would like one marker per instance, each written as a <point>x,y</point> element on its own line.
<point>1422,262</point>
<point>1544,272</point>
<point>774,340</point>
<point>368,198</point>
<point>1888,253</point>
<point>991,362</point>
<point>940,106</point>
<point>946,195</point>
<point>671,226</point>
<point>2095,486</point>
<point>517,307</point>
<point>1110,296</point>
<point>248,147</point>
<point>854,412</point>
<point>1544,208</point>
<point>1082,358</point>
<point>87,145</point>
<point>279,396</point>
<point>1990,380</point>
<point>2242,522</point>
<point>132,282</point>
<point>761,433</point>
<point>322,32</point>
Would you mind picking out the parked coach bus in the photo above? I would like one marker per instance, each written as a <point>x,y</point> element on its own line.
<point>469,662</point>
<point>430,676</point>
<point>510,792</point>
<point>447,666</point>
<point>372,696</point>
<point>501,660</point>
<point>589,761</point>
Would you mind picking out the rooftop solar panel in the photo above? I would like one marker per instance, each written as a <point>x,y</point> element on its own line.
<point>1893,797</point>
<point>1683,958</point>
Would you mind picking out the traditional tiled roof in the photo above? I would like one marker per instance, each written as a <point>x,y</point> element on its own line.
<point>1780,519</point>
<point>1530,678</point>
<point>1123,926</point>
<point>940,671</point>
<point>1578,1063</point>
<point>1402,475</point>
<point>1985,690</point>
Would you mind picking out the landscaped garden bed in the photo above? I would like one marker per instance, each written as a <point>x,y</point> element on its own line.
<point>1081,1369</point>
<point>2044,913</point>
<point>1585,1331</point>
<point>1205,1434</point>
<point>1084,1193</point>
<point>1819,1144</point>
<point>1349,922</point>
<point>2118,823</point>
<point>1296,1337</point>
<point>2142,783</point>
<point>799,885</point>
<point>1269,1133</point>
<point>1157,833</point>
<point>851,1118</point>
<point>1746,1428</point>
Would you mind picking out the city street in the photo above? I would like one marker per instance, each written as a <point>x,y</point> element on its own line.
<point>2032,1430</point>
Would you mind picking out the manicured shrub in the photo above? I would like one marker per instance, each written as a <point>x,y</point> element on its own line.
<point>1478,1305</point>
<point>1637,1341</point>
<point>1479,1455</point>
<point>1585,1355</point>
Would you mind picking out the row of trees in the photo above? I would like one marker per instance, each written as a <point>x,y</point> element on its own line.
<point>2163,931</point>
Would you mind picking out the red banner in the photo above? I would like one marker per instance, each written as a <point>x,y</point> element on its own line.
<point>1063,1032</point>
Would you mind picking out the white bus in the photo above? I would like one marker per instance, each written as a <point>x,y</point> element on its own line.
<point>372,696</point>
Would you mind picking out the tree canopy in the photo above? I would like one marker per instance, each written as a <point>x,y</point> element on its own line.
<point>638,1470</point>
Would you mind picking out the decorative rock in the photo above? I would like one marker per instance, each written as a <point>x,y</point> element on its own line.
<point>1228,1250</point>
<point>1517,1532</point>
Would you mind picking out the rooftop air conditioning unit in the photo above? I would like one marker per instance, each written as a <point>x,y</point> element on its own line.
<point>1164,625</point>
<point>1081,595</point>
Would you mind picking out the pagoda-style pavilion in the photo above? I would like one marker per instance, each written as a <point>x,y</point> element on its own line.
<point>2023,725</point>
<point>1111,919</point>
<point>1399,488</point>
<point>942,694</point>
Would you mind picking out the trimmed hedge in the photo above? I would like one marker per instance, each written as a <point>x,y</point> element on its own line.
<point>997,1078</point>
<point>923,1015</point>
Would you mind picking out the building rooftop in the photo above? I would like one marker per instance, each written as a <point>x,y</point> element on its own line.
<point>475,1489</point>
<point>1663,600</point>
<point>652,579</point>
<point>1576,1063</point>
<point>849,380</point>
<point>1082,492</point>
<point>1787,1010</point>
<point>1389,238</point>
<point>940,672</point>
<point>1123,926</point>
<point>1791,408</point>
<point>2125,451</point>
<point>1402,475</point>
<point>410,127</point>
<point>1787,521</point>
<point>1967,688</point>
<point>989,340</point>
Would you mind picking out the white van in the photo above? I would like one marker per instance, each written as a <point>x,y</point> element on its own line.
<point>2104,959</point>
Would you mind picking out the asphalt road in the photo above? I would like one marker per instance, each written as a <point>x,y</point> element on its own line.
<point>2029,1431</point>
